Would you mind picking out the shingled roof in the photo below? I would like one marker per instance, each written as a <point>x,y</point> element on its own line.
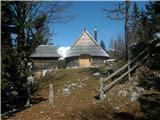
<point>45,51</point>
<point>86,45</point>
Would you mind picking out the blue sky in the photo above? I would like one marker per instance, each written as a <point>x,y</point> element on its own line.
<point>88,15</point>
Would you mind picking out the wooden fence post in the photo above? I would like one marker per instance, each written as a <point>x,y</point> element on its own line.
<point>50,94</point>
<point>101,89</point>
<point>129,64</point>
<point>129,67</point>
<point>28,99</point>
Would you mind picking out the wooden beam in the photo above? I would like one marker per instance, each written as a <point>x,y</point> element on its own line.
<point>124,66</point>
<point>129,64</point>
<point>107,87</point>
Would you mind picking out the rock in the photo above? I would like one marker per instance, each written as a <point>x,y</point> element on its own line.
<point>66,92</point>
<point>41,112</point>
<point>58,90</point>
<point>14,92</point>
<point>96,74</point>
<point>49,118</point>
<point>135,83</point>
<point>8,105</point>
<point>69,86</point>
<point>14,110</point>
<point>30,80</point>
<point>134,96</point>
<point>94,102</point>
<point>122,93</point>
<point>45,71</point>
<point>74,84</point>
<point>65,89</point>
<point>151,88</point>
<point>79,86</point>
<point>131,89</point>
<point>140,89</point>
<point>157,35</point>
<point>84,115</point>
<point>5,117</point>
<point>82,84</point>
<point>116,108</point>
<point>86,78</point>
<point>62,115</point>
<point>104,95</point>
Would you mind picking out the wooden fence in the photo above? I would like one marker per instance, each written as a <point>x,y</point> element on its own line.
<point>104,88</point>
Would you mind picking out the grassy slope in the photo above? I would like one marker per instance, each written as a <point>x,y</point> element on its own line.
<point>66,76</point>
<point>80,104</point>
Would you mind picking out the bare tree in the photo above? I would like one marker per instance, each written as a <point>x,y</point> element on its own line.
<point>28,22</point>
<point>121,12</point>
<point>117,46</point>
<point>111,44</point>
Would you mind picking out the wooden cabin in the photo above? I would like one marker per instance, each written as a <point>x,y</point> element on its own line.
<point>45,57</point>
<point>86,52</point>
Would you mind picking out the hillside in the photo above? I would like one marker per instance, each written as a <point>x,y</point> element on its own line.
<point>74,98</point>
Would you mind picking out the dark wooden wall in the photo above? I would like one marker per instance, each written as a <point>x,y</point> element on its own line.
<point>95,61</point>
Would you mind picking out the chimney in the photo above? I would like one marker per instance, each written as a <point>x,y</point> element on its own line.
<point>95,33</point>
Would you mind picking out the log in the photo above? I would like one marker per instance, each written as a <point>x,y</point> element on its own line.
<point>124,66</point>
<point>107,87</point>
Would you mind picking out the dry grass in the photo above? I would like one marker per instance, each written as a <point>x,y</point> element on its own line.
<point>80,104</point>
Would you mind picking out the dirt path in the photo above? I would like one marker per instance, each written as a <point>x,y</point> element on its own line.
<point>65,106</point>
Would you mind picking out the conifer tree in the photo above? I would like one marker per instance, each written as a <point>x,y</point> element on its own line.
<point>102,44</point>
<point>25,25</point>
<point>144,27</point>
<point>134,24</point>
<point>111,44</point>
<point>153,17</point>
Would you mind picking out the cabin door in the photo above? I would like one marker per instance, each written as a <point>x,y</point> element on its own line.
<point>85,60</point>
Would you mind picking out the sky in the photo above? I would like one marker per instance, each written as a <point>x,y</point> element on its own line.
<point>89,15</point>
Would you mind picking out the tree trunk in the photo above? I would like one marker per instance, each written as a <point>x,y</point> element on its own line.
<point>126,35</point>
<point>126,27</point>
<point>21,19</point>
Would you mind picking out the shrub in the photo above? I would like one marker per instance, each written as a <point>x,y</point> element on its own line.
<point>149,80</point>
